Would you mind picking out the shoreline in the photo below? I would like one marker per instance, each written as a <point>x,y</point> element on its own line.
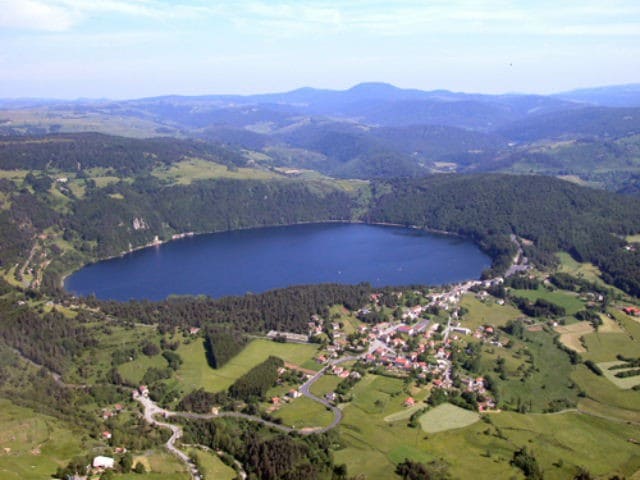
<point>156,242</point>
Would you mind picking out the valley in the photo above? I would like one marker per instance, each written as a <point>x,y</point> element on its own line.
<point>324,380</point>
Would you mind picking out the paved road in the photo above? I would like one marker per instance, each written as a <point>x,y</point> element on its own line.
<point>150,411</point>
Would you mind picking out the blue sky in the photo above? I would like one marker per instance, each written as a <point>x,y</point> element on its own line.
<point>136,48</point>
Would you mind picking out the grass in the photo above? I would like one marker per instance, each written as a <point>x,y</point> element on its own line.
<point>372,447</point>
<point>569,301</point>
<point>447,417</point>
<point>325,384</point>
<point>160,465</point>
<point>404,414</point>
<point>304,412</point>
<point>188,171</point>
<point>97,361</point>
<point>601,390</point>
<point>33,446</point>
<point>624,383</point>
<point>571,335</point>
<point>195,372</point>
<point>587,271</point>
<point>134,371</point>
<point>603,347</point>
<point>547,379</point>
<point>211,466</point>
<point>482,313</point>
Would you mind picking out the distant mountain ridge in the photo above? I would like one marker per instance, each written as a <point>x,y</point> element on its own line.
<point>375,129</point>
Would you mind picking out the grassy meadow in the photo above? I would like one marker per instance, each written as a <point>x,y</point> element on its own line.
<point>488,312</point>
<point>569,301</point>
<point>195,372</point>
<point>32,445</point>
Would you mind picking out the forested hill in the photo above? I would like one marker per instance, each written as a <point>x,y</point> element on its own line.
<point>126,156</point>
<point>107,220</point>
<point>553,214</point>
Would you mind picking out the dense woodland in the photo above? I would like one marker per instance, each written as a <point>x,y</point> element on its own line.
<point>553,214</point>
<point>125,156</point>
<point>265,455</point>
<point>284,309</point>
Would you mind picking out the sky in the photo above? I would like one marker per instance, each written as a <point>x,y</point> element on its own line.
<point>139,48</point>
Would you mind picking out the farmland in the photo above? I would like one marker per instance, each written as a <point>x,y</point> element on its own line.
<point>196,372</point>
<point>447,417</point>
<point>33,446</point>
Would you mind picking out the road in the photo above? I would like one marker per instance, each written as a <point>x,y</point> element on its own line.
<point>150,411</point>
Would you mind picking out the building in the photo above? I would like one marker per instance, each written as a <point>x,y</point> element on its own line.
<point>103,462</point>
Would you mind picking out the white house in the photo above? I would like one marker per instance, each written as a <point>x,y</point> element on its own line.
<point>103,462</point>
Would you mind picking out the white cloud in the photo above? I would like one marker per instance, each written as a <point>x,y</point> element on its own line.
<point>36,15</point>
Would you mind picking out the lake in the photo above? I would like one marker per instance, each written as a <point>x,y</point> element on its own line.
<point>257,260</point>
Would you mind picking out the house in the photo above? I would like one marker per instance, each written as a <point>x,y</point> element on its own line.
<point>406,329</point>
<point>331,396</point>
<point>275,400</point>
<point>106,414</point>
<point>119,450</point>
<point>293,393</point>
<point>106,435</point>
<point>409,402</point>
<point>194,331</point>
<point>144,390</point>
<point>631,311</point>
<point>103,462</point>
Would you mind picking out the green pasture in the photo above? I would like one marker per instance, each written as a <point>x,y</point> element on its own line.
<point>624,383</point>
<point>568,300</point>
<point>447,417</point>
<point>211,466</point>
<point>32,445</point>
<point>304,412</point>
<point>489,312</point>
<point>195,372</point>
<point>188,171</point>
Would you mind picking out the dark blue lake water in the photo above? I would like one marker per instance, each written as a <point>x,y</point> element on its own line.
<point>234,263</point>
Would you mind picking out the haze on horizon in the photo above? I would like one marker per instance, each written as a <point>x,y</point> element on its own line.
<point>141,48</point>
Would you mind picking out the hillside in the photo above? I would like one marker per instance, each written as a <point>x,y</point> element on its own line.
<point>372,130</point>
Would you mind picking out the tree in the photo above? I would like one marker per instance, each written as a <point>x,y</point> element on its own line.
<point>126,462</point>
<point>139,468</point>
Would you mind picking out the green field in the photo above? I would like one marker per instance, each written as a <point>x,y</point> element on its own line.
<point>195,372</point>
<point>598,445</point>
<point>404,414</point>
<point>601,390</point>
<point>372,447</point>
<point>325,384</point>
<point>211,466</point>
<point>535,384</point>
<point>587,271</point>
<point>187,171</point>
<point>447,417</point>
<point>97,361</point>
<point>483,313</point>
<point>624,383</point>
<point>160,465</point>
<point>134,371</point>
<point>569,301</point>
<point>33,446</point>
<point>304,412</point>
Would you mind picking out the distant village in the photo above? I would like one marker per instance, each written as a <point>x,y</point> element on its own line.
<point>412,345</point>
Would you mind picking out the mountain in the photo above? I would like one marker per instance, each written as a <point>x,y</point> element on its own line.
<point>611,96</point>
<point>604,122</point>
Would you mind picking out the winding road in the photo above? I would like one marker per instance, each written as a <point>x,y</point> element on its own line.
<point>151,410</point>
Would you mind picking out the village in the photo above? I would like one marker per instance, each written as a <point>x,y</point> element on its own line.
<point>416,345</point>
